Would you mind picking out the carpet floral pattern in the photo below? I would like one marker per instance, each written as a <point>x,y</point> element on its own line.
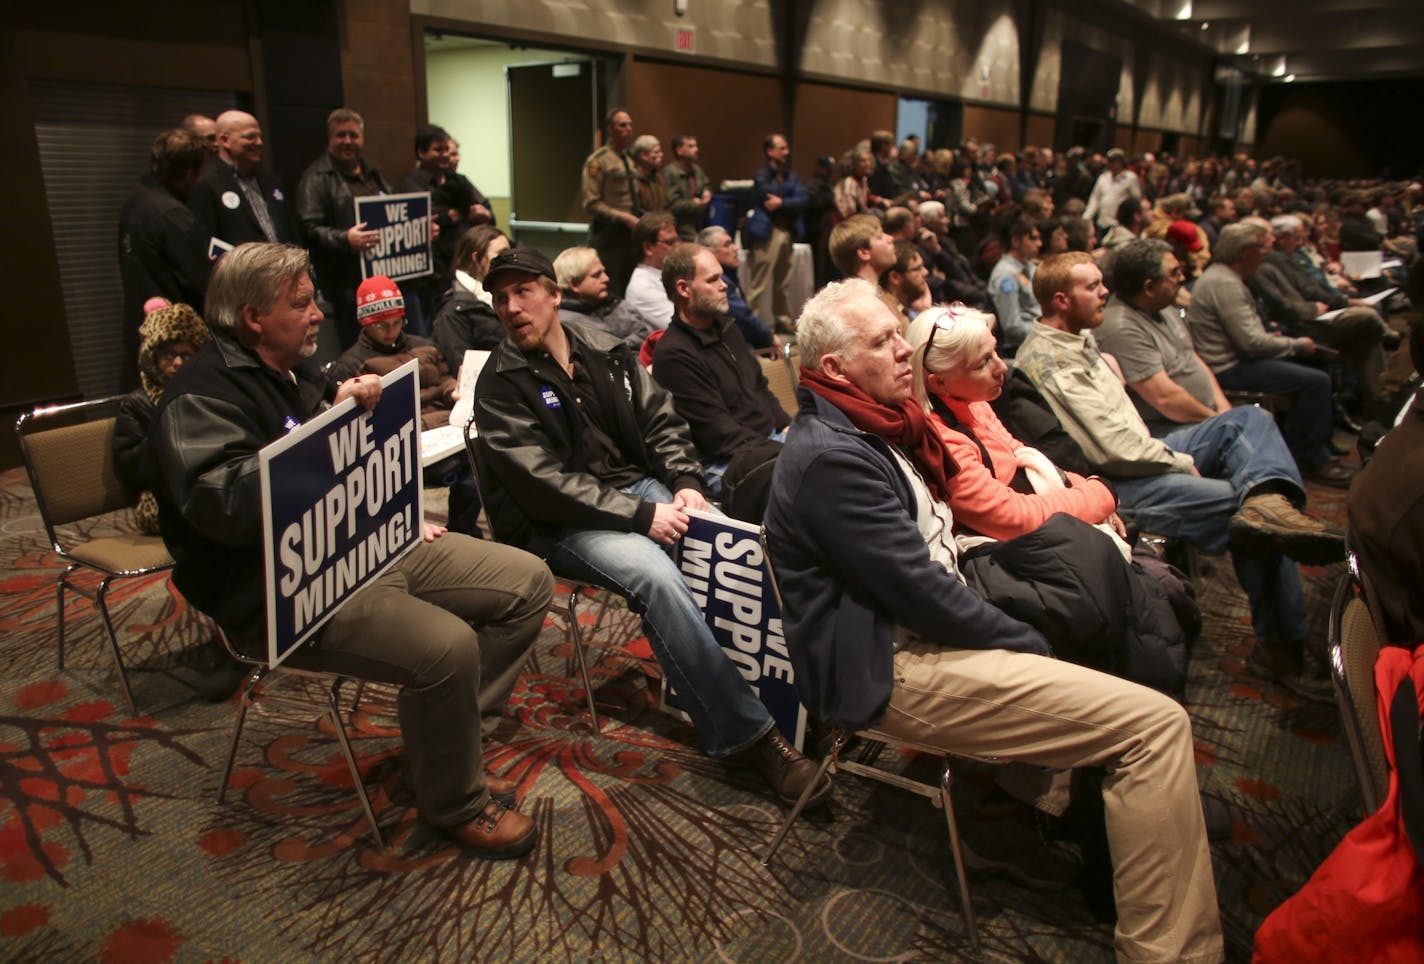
<point>113,847</point>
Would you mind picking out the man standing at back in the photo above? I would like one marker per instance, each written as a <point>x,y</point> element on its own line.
<point>237,200</point>
<point>610,201</point>
<point>326,207</point>
<point>584,462</point>
<point>778,197</point>
<point>687,187</point>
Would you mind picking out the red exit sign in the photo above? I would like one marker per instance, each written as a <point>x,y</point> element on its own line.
<point>683,40</point>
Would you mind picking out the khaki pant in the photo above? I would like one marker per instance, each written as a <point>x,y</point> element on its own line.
<point>1041,711</point>
<point>450,624</point>
<point>771,262</point>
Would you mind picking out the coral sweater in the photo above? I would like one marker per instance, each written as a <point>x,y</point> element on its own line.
<point>981,496</point>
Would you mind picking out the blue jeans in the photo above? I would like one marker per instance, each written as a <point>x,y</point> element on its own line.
<point>1235,452</point>
<point>1307,424</point>
<point>726,713</point>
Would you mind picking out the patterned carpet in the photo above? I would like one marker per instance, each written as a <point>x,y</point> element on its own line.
<point>112,845</point>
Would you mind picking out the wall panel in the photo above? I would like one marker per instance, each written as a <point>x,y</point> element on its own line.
<point>830,120</point>
<point>992,125</point>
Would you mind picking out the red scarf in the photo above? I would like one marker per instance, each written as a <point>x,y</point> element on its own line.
<point>906,426</point>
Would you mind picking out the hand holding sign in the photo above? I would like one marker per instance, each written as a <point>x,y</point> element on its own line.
<point>360,239</point>
<point>403,227</point>
<point>366,389</point>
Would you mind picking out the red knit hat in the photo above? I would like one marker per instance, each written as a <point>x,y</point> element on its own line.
<point>377,299</point>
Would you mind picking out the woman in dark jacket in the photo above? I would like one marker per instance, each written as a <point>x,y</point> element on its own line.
<point>465,320</point>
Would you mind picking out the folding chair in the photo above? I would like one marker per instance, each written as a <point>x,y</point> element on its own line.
<point>261,673</point>
<point>568,609</point>
<point>68,452</point>
<point>1354,644</point>
<point>939,795</point>
<point>781,377</point>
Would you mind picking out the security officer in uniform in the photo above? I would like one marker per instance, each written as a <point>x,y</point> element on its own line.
<point>610,201</point>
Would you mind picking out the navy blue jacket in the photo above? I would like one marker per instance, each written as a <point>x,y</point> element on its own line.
<point>753,329</point>
<point>852,566</point>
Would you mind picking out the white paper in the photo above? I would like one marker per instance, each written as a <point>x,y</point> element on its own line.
<point>1361,265</point>
<point>470,368</point>
<point>1371,301</point>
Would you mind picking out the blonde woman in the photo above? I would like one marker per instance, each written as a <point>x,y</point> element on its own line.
<point>1003,488</point>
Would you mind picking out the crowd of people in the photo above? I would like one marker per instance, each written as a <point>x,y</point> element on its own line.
<point>1014,365</point>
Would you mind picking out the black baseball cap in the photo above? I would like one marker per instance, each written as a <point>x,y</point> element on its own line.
<point>519,261</point>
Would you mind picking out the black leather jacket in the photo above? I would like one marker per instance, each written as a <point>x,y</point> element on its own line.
<point>531,454</point>
<point>327,210</point>
<point>220,409</point>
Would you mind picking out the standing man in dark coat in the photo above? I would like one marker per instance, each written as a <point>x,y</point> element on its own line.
<point>237,201</point>
<point>770,233</point>
<point>161,249</point>
<point>326,207</point>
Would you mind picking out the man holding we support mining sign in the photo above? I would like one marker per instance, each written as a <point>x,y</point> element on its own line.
<point>450,623</point>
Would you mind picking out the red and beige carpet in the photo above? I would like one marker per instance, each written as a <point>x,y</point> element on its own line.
<point>113,847</point>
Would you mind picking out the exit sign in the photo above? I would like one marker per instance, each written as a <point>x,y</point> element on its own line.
<point>682,40</point>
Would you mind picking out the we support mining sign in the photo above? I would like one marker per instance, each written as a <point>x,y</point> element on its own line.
<point>403,220</point>
<point>721,560</point>
<point>341,503</point>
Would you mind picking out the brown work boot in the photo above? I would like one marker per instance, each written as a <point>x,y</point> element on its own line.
<point>784,769</point>
<point>495,834</point>
<point>501,790</point>
<point>1269,523</point>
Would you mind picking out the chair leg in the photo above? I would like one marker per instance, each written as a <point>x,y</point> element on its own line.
<point>59,588</point>
<point>334,708</point>
<point>826,763</point>
<point>243,704</point>
<point>114,643</point>
<point>576,635</point>
<point>947,802</point>
<point>356,699</point>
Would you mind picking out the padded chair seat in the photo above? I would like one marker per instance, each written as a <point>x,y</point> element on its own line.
<point>122,553</point>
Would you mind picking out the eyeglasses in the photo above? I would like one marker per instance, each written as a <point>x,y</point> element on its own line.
<point>395,324</point>
<point>947,318</point>
<point>166,354</point>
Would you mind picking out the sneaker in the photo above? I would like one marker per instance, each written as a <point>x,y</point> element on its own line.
<point>1269,523</point>
<point>1284,664</point>
<point>784,769</point>
<point>1015,850</point>
<point>495,834</point>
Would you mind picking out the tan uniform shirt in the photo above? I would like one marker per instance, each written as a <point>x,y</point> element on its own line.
<point>607,184</point>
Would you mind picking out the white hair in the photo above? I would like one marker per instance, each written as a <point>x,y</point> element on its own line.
<point>941,338</point>
<point>822,328</point>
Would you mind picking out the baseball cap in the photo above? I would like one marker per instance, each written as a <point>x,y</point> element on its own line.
<point>519,261</point>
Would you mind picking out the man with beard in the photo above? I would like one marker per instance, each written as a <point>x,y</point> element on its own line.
<point>583,461</point>
<point>715,380</point>
<point>908,279</point>
<point>724,246</point>
<point>1218,480</point>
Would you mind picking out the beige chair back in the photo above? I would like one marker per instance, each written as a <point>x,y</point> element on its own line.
<point>69,452</point>
<point>781,379</point>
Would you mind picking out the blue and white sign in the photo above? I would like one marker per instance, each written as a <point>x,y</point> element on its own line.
<point>341,503</point>
<point>403,221</point>
<point>721,560</point>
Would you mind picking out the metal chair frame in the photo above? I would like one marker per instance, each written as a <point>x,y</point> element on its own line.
<point>261,672</point>
<point>1350,610</point>
<point>940,795</point>
<point>107,497</point>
